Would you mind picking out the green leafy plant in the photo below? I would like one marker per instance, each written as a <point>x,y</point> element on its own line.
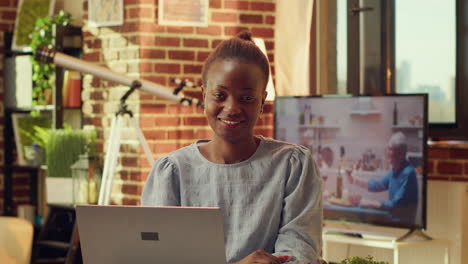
<point>360,260</point>
<point>63,147</point>
<point>37,136</point>
<point>43,74</point>
<point>28,147</point>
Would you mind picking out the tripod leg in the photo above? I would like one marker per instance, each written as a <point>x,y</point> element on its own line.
<point>106,162</point>
<point>110,161</point>
<point>143,142</point>
<point>113,160</point>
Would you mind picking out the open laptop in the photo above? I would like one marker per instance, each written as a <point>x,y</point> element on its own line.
<point>167,235</point>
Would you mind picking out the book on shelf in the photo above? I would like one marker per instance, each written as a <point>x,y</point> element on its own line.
<point>71,91</point>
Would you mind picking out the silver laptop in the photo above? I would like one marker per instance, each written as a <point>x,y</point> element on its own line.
<point>167,235</point>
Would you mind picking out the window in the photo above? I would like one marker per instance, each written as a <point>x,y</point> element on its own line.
<point>402,46</point>
<point>425,51</point>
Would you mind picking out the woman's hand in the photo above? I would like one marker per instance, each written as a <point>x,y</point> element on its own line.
<point>262,257</point>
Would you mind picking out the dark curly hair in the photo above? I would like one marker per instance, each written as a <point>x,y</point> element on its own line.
<point>241,48</point>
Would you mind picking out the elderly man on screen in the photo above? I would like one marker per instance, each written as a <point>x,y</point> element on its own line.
<point>400,181</point>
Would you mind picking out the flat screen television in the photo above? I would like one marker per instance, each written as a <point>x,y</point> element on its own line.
<point>370,150</point>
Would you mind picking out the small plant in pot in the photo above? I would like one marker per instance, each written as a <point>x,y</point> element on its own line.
<point>63,148</point>
<point>361,260</point>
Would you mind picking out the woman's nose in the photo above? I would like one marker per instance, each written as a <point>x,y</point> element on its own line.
<point>232,107</point>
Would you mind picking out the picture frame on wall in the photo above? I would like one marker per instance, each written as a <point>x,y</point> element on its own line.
<point>183,12</point>
<point>105,13</point>
<point>27,13</point>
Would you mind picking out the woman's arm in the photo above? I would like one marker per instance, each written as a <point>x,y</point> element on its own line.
<point>300,233</point>
<point>162,186</point>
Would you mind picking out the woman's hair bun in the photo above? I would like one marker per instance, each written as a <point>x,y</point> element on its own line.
<point>245,35</point>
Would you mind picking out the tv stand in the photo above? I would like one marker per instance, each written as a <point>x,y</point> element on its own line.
<point>416,249</point>
<point>347,234</point>
<point>414,235</point>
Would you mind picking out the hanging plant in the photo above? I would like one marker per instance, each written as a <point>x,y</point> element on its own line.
<point>43,74</point>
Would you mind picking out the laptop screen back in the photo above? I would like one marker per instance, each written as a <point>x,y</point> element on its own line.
<point>131,234</point>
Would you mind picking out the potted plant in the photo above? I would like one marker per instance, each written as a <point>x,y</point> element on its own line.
<point>361,260</point>
<point>43,74</point>
<point>63,148</point>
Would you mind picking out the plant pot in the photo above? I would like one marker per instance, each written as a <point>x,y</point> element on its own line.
<point>59,190</point>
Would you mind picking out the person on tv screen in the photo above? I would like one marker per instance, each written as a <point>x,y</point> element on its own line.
<point>400,182</point>
<point>269,190</point>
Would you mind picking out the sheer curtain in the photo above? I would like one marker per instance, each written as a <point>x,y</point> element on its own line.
<point>292,45</point>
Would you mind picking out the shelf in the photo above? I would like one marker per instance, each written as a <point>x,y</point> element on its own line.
<point>32,108</point>
<point>319,126</point>
<point>365,112</point>
<point>39,108</point>
<point>20,168</point>
<point>54,244</point>
<point>50,260</point>
<point>12,53</point>
<point>406,127</point>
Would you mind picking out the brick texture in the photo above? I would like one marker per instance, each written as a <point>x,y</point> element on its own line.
<point>448,162</point>
<point>449,167</point>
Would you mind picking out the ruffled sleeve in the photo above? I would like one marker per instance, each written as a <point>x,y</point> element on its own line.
<point>300,233</point>
<point>162,188</point>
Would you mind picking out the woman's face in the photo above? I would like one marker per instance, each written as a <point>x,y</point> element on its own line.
<point>233,98</point>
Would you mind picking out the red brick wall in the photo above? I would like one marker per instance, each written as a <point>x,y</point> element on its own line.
<point>448,162</point>
<point>143,49</point>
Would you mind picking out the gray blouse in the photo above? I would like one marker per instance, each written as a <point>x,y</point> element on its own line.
<point>271,201</point>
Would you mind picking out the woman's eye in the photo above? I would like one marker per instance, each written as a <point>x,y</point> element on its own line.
<point>248,98</point>
<point>218,95</point>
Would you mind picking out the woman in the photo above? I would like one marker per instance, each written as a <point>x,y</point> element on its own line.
<point>270,191</point>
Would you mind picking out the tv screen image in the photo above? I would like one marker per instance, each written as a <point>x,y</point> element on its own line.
<point>370,150</point>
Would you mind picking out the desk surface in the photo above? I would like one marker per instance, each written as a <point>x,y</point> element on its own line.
<point>380,243</point>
